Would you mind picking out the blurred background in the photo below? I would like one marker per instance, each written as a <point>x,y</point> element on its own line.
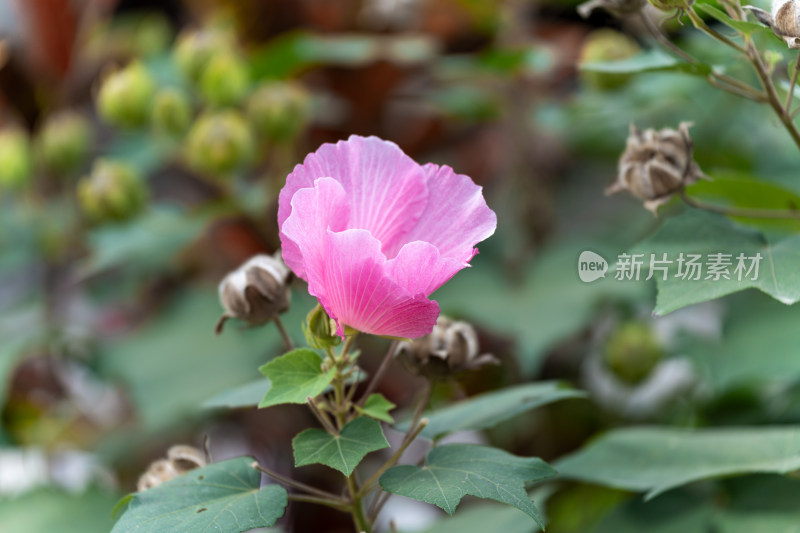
<point>142,148</point>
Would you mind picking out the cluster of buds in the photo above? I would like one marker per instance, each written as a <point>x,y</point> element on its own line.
<point>784,21</point>
<point>450,348</point>
<point>180,459</point>
<point>656,165</point>
<point>205,112</point>
<point>256,292</point>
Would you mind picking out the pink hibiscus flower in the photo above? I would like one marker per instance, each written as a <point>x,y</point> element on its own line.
<point>375,233</point>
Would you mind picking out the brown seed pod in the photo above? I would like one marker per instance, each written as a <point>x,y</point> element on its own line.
<point>180,459</point>
<point>451,347</point>
<point>656,164</point>
<point>185,458</point>
<point>255,292</point>
<point>157,473</point>
<point>784,21</point>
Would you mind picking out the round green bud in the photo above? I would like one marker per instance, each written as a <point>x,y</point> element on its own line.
<point>607,45</point>
<point>15,158</point>
<point>64,141</point>
<point>632,352</point>
<point>113,191</point>
<point>172,112</point>
<point>279,111</point>
<point>320,330</point>
<point>194,49</point>
<point>225,80</point>
<point>219,143</point>
<point>126,96</point>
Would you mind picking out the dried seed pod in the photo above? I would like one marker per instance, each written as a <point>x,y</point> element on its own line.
<point>185,458</point>
<point>656,164</point>
<point>451,347</point>
<point>157,473</point>
<point>784,21</point>
<point>255,292</point>
<point>180,459</point>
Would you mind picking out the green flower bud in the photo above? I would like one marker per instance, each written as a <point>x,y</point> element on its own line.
<point>126,96</point>
<point>172,112</point>
<point>64,140</point>
<point>225,80</point>
<point>113,191</point>
<point>607,45</point>
<point>15,158</point>
<point>219,143</point>
<point>279,110</point>
<point>320,330</point>
<point>195,49</point>
<point>632,352</point>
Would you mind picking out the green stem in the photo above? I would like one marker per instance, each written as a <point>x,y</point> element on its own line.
<point>790,93</point>
<point>720,81</point>
<point>323,419</point>
<point>357,510</point>
<point>299,486</point>
<point>341,506</point>
<point>395,456</point>
<point>701,25</point>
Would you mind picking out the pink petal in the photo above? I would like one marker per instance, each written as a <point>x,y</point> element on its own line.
<point>355,290</point>
<point>420,269</point>
<point>303,235</point>
<point>456,216</point>
<point>385,188</point>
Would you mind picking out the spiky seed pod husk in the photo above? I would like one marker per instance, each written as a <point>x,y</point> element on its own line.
<point>255,292</point>
<point>450,348</point>
<point>656,164</point>
<point>784,20</point>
